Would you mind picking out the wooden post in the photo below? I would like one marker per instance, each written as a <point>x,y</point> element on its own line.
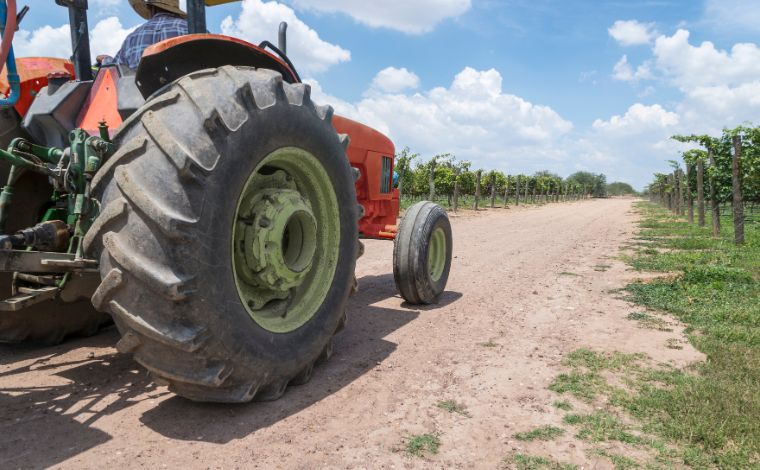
<point>714,203</point>
<point>478,176</point>
<point>676,194</point>
<point>455,204</point>
<point>431,180</point>
<point>401,179</point>
<point>701,192</point>
<point>736,184</point>
<point>681,193</point>
<point>493,190</point>
<point>506,194</point>
<point>689,193</point>
<point>527,185</point>
<point>517,190</point>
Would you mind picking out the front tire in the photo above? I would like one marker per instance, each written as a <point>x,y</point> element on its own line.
<point>422,253</point>
<point>228,235</point>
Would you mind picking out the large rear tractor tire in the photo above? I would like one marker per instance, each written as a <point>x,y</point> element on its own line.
<point>228,235</point>
<point>51,321</point>
<point>422,253</point>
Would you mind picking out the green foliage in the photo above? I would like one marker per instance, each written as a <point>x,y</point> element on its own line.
<point>593,183</point>
<point>620,189</point>
<point>723,149</point>
<point>414,178</point>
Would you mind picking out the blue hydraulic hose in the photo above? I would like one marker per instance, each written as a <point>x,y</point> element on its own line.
<point>13,79</point>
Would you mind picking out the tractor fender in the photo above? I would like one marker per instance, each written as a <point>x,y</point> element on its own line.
<point>168,60</point>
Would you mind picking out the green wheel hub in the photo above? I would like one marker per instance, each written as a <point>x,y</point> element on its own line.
<point>286,238</point>
<point>436,254</point>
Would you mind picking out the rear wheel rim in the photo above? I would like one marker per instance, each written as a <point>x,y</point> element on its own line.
<point>436,254</point>
<point>286,239</point>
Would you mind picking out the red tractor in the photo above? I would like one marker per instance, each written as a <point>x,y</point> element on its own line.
<point>203,202</point>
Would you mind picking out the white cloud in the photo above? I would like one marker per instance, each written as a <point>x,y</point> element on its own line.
<point>413,17</point>
<point>259,20</point>
<point>107,36</point>
<point>473,118</point>
<point>639,119</point>
<point>705,65</point>
<point>393,80</point>
<point>623,71</point>
<point>632,33</point>
<point>47,41</point>
<point>628,147</point>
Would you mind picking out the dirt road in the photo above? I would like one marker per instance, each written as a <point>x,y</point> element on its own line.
<point>527,287</point>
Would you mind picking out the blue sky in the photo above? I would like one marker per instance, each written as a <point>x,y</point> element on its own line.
<point>513,84</point>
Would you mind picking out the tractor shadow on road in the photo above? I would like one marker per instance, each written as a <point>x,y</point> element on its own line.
<point>358,350</point>
<point>45,424</point>
<point>50,415</point>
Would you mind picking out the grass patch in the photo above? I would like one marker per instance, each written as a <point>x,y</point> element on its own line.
<point>649,322</point>
<point>599,361</point>
<point>421,444</point>
<point>533,462</point>
<point>602,426</point>
<point>563,405</point>
<point>713,411</point>
<point>488,344</point>
<point>620,462</point>
<point>543,433</point>
<point>453,407</point>
<point>583,385</point>
<point>601,267</point>
<point>567,273</point>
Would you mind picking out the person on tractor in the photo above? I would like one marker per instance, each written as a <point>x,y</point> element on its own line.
<point>165,20</point>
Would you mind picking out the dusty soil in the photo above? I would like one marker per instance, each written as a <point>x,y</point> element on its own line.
<point>536,282</point>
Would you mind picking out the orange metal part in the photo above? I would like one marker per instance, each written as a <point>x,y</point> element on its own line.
<point>101,104</point>
<point>171,42</point>
<point>34,72</point>
<point>366,149</point>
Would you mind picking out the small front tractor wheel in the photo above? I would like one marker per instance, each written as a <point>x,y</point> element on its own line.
<point>422,253</point>
<point>228,235</point>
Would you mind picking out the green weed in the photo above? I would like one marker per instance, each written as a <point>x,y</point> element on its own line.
<point>620,462</point>
<point>421,444</point>
<point>532,462</point>
<point>453,407</point>
<point>563,405</point>
<point>543,433</point>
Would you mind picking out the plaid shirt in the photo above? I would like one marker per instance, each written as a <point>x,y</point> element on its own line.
<point>162,26</point>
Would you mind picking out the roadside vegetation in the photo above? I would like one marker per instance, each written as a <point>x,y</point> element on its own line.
<point>707,415</point>
<point>455,184</point>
